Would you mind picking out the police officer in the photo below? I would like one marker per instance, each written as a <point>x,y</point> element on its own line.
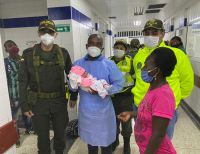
<point>176,42</point>
<point>42,88</point>
<point>123,101</point>
<point>134,47</point>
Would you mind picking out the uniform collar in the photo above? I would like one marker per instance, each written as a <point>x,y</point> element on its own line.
<point>39,50</point>
<point>113,58</point>
<point>162,44</point>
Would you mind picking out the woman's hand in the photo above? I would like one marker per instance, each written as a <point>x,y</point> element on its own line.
<point>29,114</point>
<point>125,116</point>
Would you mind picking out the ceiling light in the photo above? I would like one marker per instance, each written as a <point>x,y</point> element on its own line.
<point>156,6</point>
<point>153,11</point>
<point>137,23</point>
<point>113,17</point>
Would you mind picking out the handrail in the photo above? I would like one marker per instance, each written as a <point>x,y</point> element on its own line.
<point>8,136</point>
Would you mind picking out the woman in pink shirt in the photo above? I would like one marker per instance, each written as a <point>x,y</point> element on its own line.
<point>157,106</point>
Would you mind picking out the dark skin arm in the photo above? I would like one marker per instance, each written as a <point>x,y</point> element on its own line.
<point>159,127</point>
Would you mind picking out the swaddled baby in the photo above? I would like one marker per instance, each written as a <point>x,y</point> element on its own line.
<point>78,77</point>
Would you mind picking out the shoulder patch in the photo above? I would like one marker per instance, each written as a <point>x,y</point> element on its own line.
<point>124,62</point>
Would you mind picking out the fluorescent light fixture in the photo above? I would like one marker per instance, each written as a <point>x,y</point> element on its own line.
<point>137,22</point>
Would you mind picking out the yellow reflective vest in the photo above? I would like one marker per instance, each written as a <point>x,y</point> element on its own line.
<point>125,67</point>
<point>181,81</point>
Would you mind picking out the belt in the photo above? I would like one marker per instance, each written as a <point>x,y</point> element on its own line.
<point>47,95</point>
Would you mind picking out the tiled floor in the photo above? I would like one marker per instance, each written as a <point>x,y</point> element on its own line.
<point>28,143</point>
<point>186,140</point>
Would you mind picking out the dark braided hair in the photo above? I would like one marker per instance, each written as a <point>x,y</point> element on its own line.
<point>165,60</point>
<point>178,39</point>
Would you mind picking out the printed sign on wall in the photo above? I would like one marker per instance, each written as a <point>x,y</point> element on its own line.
<point>63,28</point>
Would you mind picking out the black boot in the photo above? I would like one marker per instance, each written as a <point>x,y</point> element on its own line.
<point>58,152</point>
<point>116,143</point>
<point>92,149</point>
<point>127,148</point>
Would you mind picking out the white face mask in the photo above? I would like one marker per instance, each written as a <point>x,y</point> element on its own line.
<point>151,41</point>
<point>118,53</point>
<point>93,51</point>
<point>47,39</point>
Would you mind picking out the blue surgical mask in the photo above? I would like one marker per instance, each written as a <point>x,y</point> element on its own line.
<point>146,77</point>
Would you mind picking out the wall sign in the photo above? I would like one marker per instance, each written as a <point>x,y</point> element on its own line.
<point>63,28</point>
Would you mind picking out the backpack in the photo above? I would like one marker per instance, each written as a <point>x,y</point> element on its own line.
<point>72,128</point>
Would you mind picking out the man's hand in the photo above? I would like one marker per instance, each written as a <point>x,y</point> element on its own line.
<point>72,103</point>
<point>125,116</point>
<point>93,92</point>
<point>12,103</point>
<point>29,114</point>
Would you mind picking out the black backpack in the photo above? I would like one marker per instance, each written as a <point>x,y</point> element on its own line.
<point>72,128</point>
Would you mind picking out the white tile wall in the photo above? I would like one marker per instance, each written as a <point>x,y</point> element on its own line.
<point>2,33</point>
<point>23,8</point>
<point>81,33</point>
<point>24,37</point>
<point>57,3</point>
<point>64,39</point>
<point>108,46</point>
<point>5,112</point>
<point>193,13</point>
<point>168,36</point>
<point>80,36</point>
<point>83,6</point>
<point>194,99</point>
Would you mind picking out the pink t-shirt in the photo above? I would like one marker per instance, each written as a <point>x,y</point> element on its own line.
<point>157,102</point>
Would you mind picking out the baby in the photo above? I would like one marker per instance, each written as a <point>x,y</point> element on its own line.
<point>78,77</point>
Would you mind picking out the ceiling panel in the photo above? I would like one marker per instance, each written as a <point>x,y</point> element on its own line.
<point>153,11</point>
<point>156,6</point>
<point>124,10</point>
<point>127,12</point>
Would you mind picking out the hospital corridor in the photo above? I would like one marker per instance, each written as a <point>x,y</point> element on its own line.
<point>100,77</point>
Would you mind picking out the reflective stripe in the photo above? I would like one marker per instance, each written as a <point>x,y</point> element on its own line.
<point>125,67</point>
